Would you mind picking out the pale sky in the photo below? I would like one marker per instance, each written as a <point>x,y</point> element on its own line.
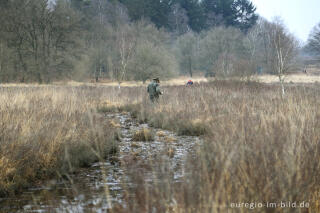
<point>300,16</point>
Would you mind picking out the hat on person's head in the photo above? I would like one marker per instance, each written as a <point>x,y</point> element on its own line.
<point>156,79</point>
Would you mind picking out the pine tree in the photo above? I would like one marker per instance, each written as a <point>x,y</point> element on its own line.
<point>236,13</point>
<point>195,12</point>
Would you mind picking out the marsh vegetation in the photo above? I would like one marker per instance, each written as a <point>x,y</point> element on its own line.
<point>246,131</point>
<point>257,146</point>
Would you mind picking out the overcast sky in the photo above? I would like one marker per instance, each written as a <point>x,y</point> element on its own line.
<point>300,16</point>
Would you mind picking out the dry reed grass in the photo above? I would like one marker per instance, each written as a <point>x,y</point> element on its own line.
<point>143,135</point>
<point>49,130</point>
<point>292,78</point>
<point>258,147</point>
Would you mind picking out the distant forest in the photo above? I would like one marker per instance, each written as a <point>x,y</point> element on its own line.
<point>44,41</point>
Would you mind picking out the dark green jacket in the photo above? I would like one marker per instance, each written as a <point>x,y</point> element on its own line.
<point>154,90</point>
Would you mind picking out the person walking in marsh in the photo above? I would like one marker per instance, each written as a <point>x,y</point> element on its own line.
<point>154,90</point>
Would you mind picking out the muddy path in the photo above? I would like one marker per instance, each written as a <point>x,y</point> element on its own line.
<point>98,188</point>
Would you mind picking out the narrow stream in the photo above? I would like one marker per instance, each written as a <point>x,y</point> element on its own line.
<point>97,188</point>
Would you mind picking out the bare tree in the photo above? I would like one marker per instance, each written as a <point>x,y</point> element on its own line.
<point>187,53</point>
<point>252,39</point>
<point>313,44</point>
<point>43,38</point>
<point>103,20</point>
<point>151,61</point>
<point>5,54</point>
<point>100,25</point>
<point>285,49</point>
<point>256,43</point>
<point>221,48</point>
<point>125,43</point>
<point>273,48</point>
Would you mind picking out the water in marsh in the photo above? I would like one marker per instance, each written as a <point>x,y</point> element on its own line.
<point>97,188</point>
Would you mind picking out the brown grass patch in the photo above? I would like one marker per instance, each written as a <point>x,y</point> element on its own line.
<point>170,152</point>
<point>115,124</point>
<point>144,134</point>
<point>135,145</point>
<point>169,139</point>
<point>257,145</point>
<point>291,78</point>
<point>161,134</point>
<point>49,130</point>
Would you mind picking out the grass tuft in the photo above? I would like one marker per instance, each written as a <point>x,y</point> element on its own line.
<point>144,134</point>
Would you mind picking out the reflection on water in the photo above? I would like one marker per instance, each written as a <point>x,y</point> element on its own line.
<point>96,188</point>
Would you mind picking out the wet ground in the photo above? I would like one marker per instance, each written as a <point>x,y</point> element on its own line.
<point>101,186</point>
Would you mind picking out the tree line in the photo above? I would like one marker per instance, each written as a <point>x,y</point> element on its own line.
<point>43,41</point>
<point>178,15</point>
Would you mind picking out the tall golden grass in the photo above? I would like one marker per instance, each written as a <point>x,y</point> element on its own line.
<point>48,131</point>
<point>258,147</point>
